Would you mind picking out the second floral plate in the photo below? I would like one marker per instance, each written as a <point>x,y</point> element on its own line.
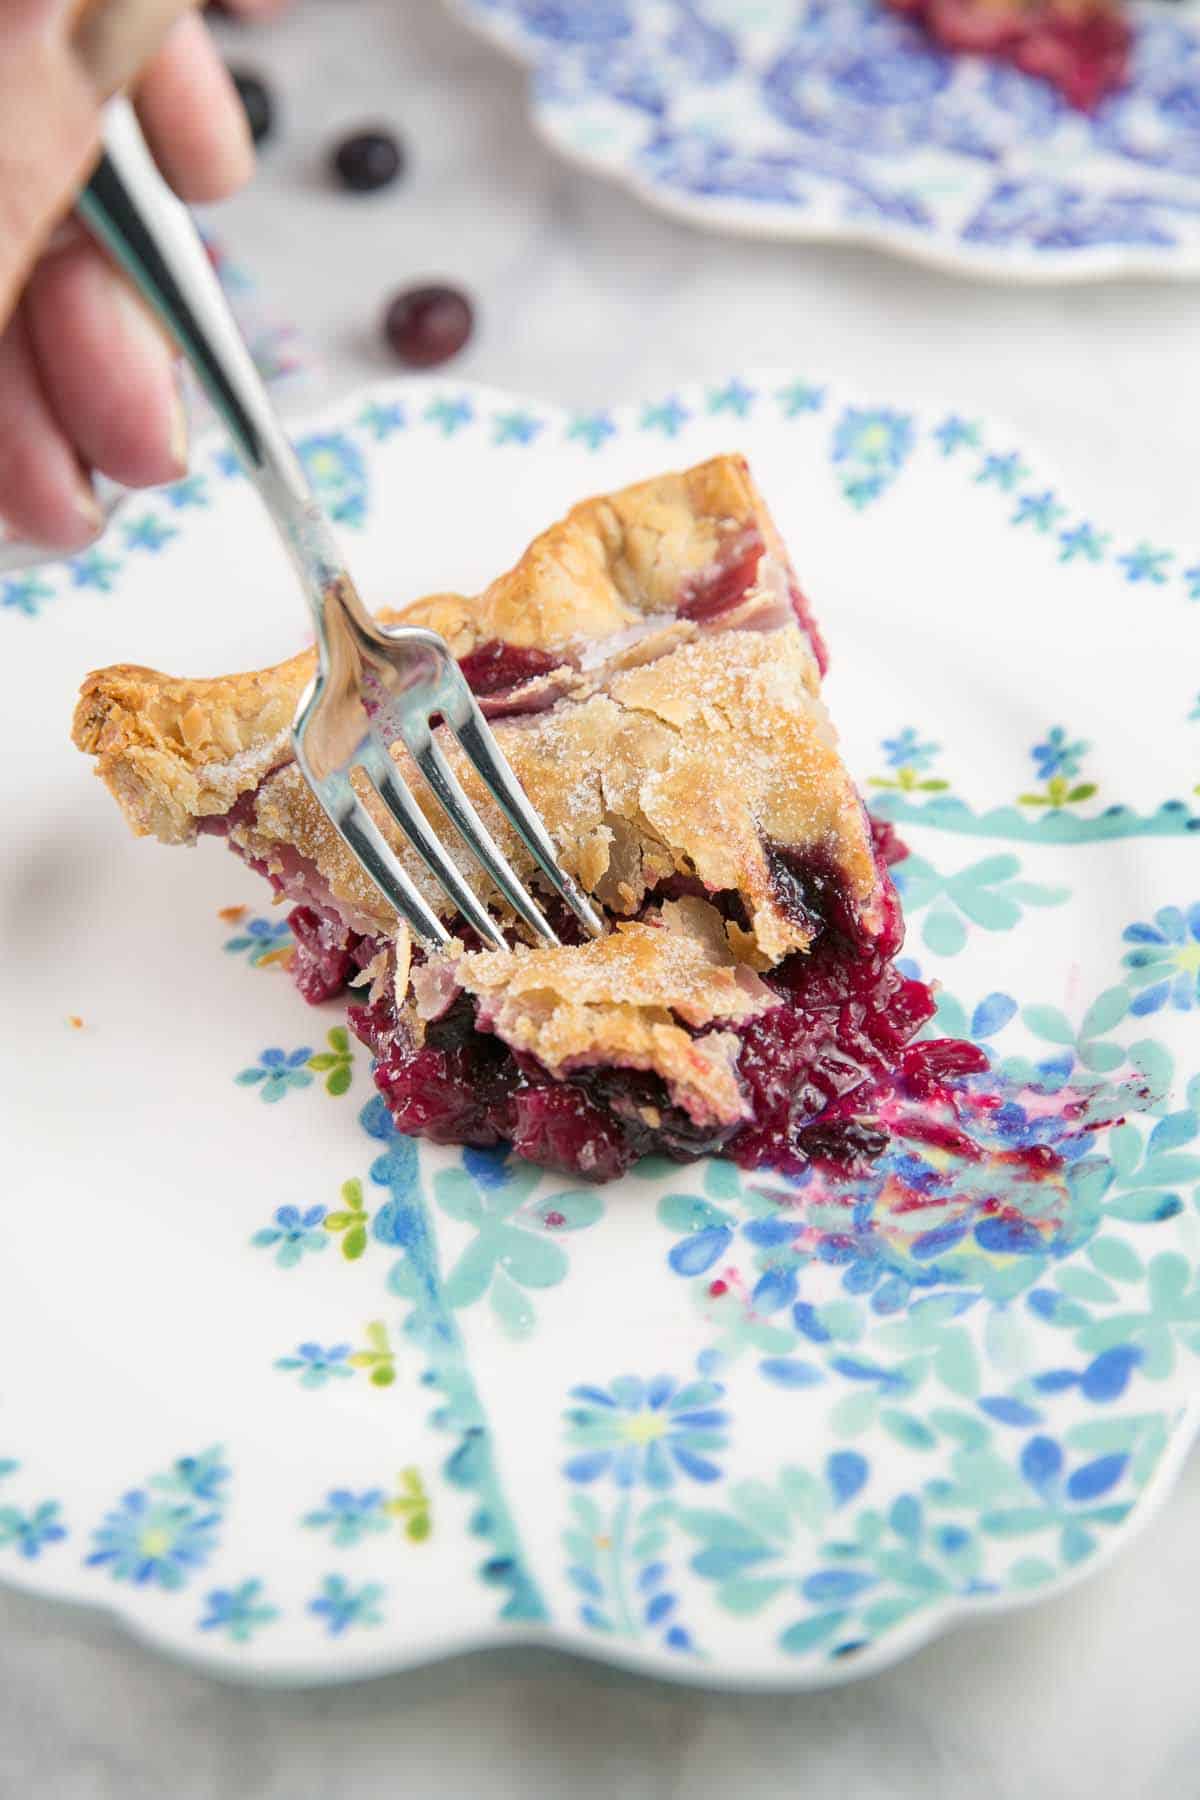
<point>301,1399</point>
<point>834,119</point>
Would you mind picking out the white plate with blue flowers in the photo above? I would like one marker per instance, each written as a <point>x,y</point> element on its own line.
<point>300,1399</point>
<point>834,119</point>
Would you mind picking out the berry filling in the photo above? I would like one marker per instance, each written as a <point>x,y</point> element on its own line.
<point>808,623</point>
<point>817,1067</point>
<point>512,678</point>
<point>819,1070</point>
<point>497,668</point>
<point>326,958</point>
<point>709,593</point>
<point>726,581</point>
<point>1082,47</point>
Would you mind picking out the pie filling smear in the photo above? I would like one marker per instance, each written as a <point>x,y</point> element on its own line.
<point>652,671</point>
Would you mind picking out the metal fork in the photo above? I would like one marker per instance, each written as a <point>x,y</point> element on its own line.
<point>373,686</point>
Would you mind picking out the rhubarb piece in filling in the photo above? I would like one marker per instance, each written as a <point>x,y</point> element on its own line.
<point>652,673</point>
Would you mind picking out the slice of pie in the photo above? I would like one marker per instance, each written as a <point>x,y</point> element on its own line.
<point>652,672</point>
<point>1082,47</point>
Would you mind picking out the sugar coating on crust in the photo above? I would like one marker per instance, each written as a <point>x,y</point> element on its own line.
<point>693,765</point>
<point>175,750</point>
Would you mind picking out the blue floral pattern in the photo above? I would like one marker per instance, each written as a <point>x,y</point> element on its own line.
<point>1164,964</point>
<point>990,895</point>
<point>1056,755</point>
<point>870,447</point>
<point>906,751</point>
<point>1042,511</point>
<point>907,759</point>
<point>342,1608</point>
<point>335,465</point>
<point>592,429</point>
<point>348,1517</point>
<point>647,1433</point>
<point>160,1534</point>
<point>870,1562</point>
<point>30,1530</point>
<point>1058,761</point>
<point>144,1539</point>
<point>316,1366</point>
<point>277,1072</point>
<point>517,1245</point>
<point>261,941</point>
<point>404,1224</point>
<point>240,1612</point>
<point>292,1233</point>
<point>1145,563</point>
<point>24,594</point>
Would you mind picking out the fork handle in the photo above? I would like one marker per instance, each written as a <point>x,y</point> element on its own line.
<point>128,206</point>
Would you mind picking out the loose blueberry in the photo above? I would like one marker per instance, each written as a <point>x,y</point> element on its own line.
<point>367,160</point>
<point>257,103</point>
<point>428,325</point>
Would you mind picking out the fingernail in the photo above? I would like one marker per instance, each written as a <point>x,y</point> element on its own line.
<point>78,524</point>
<point>65,236</point>
<point>87,510</point>
<point>180,431</point>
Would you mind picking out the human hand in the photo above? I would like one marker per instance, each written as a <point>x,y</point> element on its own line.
<point>87,379</point>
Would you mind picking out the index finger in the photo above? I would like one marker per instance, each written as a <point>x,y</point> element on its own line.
<point>50,98</point>
<point>113,38</point>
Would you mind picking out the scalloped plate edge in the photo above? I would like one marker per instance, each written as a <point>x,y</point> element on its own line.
<point>898,1644</point>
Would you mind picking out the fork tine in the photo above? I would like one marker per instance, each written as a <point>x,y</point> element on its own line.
<point>466,821</point>
<point>479,743</point>
<point>363,836</point>
<point>358,830</point>
<point>412,821</point>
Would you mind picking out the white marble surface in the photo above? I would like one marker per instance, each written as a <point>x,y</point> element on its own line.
<point>587,299</point>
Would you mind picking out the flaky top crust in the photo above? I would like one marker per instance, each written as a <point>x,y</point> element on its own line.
<point>176,750</point>
<point>628,999</point>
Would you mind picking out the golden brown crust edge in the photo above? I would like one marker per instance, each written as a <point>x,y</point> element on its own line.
<point>173,750</point>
